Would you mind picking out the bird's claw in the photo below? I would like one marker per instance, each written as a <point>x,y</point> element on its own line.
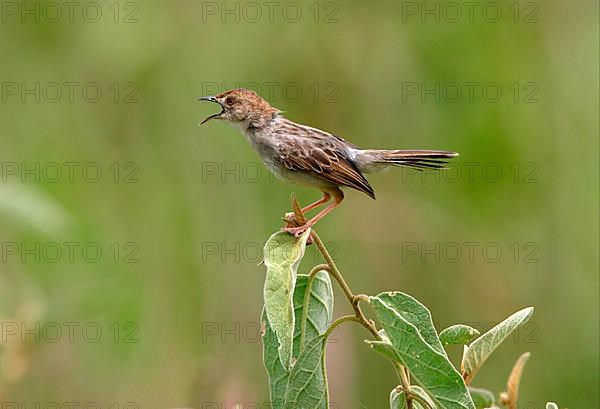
<point>294,227</point>
<point>296,231</point>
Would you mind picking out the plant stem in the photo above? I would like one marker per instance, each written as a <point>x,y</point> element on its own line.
<point>402,375</point>
<point>334,270</point>
<point>337,322</point>
<point>359,315</point>
<point>414,396</point>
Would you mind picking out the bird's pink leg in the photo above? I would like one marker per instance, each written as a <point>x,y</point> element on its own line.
<point>297,231</point>
<point>290,216</point>
<point>321,201</point>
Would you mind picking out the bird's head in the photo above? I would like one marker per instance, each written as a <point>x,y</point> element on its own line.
<point>242,106</point>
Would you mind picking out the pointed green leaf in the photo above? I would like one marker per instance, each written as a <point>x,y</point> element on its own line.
<point>482,398</point>
<point>431,369</point>
<point>480,350</point>
<point>415,313</point>
<point>458,334</point>
<point>307,385</point>
<point>282,255</point>
<point>398,399</point>
<point>319,317</point>
<point>384,348</point>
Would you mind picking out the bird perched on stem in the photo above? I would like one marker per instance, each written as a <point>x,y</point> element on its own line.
<point>308,156</point>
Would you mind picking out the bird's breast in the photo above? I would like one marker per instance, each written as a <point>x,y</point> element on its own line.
<point>265,147</point>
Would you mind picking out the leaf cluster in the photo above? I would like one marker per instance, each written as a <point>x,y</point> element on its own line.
<point>298,317</point>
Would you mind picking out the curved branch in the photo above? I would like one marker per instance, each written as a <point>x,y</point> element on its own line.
<point>337,322</point>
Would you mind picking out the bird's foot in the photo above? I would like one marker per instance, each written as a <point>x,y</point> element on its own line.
<point>291,227</point>
<point>297,231</point>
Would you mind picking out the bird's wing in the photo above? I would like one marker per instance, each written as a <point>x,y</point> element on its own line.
<point>323,158</point>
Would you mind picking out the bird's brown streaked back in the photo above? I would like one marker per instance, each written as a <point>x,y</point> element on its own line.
<point>322,160</point>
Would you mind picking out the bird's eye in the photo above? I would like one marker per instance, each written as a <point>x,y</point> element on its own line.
<point>229,100</point>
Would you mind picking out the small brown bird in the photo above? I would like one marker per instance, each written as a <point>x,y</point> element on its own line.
<point>308,156</point>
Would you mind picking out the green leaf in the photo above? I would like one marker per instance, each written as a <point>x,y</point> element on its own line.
<point>307,385</point>
<point>398,399</point>
<point>384,348</point>
<point>415,313</point>
<point>480,350</point>
<point>551,405</point>
<point>482,398</point>
<point>283,380</point>
<point>431,369</point>
<point>278,375</point>
<point>282,255</point>
<point>320,308</point>
<point>458,334</point>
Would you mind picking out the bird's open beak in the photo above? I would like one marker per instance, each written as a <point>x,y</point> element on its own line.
<point>215,116</point>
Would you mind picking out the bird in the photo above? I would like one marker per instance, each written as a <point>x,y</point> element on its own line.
<point>308,156</point>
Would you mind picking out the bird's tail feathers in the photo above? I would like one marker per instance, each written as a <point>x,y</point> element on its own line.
<point>416,159</point>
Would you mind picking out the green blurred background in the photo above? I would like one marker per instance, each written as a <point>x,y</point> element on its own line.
<point>180,212</point>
